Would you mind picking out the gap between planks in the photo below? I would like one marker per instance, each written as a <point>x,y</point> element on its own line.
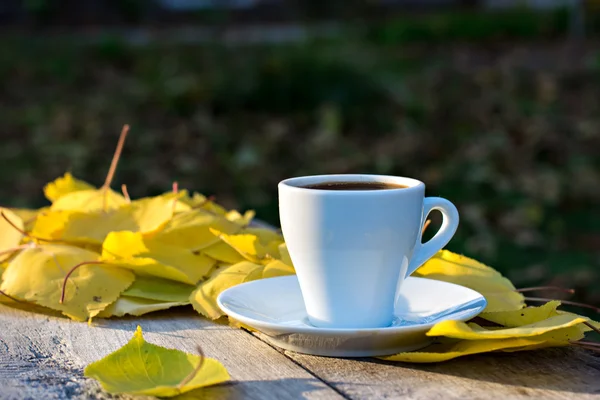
<point>308,371</point>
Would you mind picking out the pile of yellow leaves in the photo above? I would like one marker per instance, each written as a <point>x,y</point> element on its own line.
<point>96,253</point>
<point>505,325</point>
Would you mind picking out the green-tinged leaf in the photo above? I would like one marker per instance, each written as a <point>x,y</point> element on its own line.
<point>142,368</point>
<point>126,305</point>
<point>451,348</point>
<point>199,201</point>
<point>265,236</point>
<point>148,257</point>
<point>159,289</point>
<point>37,275</point>
<point>223,252</point>
<point>584,328</point>
<point>204,298</point>
<point>524,316</point>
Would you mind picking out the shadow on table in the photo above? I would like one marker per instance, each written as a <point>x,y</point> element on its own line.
<point>165,321</point>
<point>557,369</point>
<point>168,322</point>
<point>290,388</point>
<point>32,308</point>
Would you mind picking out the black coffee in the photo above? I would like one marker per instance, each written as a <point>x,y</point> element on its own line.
<point>354,186</point>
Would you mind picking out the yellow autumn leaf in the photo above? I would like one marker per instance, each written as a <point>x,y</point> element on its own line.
<point>454,268</point>
<point>249,246</point>
<point>37,275</point>
<point>195,200</point>
<point>277,268</point>
<point>242,220</point>
<point>3,298</point>
<point>178,205</point>
<point>223,252</point>
<point>214,208</point>
<point>204,298</point>
<point>524,316</point>
<point>584,328</point>
<point>246,245</point>
<point>148,257</point>
<point>28,216</point>
<point>191,229</point>
<point>472,331</point>
<point>199,201</point>
<point>284,255</point>
<point>126,305</point>
<point>159,289</point>
<point>10,237</point>
<point>270,240</point>
<point>146,215</point>
<point>64,185</point>
<point>451,349</point>
<point>50,224</point>
<point>89,200</point>
<point>240,325</point>
<point>142,368</point>
<point>265,236</point>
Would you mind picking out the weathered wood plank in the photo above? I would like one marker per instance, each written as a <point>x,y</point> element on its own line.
<point>43,356</point>
<point>545,374</point>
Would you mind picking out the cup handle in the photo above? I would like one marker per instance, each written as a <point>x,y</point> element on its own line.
<point>424,251</point>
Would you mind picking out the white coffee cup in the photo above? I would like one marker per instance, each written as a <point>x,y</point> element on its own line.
<point>352,249</point>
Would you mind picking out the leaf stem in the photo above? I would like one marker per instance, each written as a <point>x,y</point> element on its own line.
<point>125,193</point>
<point>192,374</point>
<point>175,191</point>
<point>592,327</point>
<point>113,165</point>
<point>21,231</point>
<point>64,285</point>
<point>24,233</point>
<point>584,342</point>
<point>538,288</point>
<point>30,220</point>
<point>10,297</point>
<point>586,346</point>
<point>425,225</point>
<point>571,303</point>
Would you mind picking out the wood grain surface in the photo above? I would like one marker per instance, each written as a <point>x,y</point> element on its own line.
<point>42,356</point>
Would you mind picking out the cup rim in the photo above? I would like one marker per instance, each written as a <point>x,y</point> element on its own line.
<point>296,183</point>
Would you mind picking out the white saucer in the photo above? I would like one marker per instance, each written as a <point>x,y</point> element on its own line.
<point>275,308</point>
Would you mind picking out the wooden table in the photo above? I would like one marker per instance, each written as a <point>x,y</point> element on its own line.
<point>42,356</point>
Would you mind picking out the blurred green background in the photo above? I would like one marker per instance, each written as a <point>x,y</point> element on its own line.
<point>497,111</point>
